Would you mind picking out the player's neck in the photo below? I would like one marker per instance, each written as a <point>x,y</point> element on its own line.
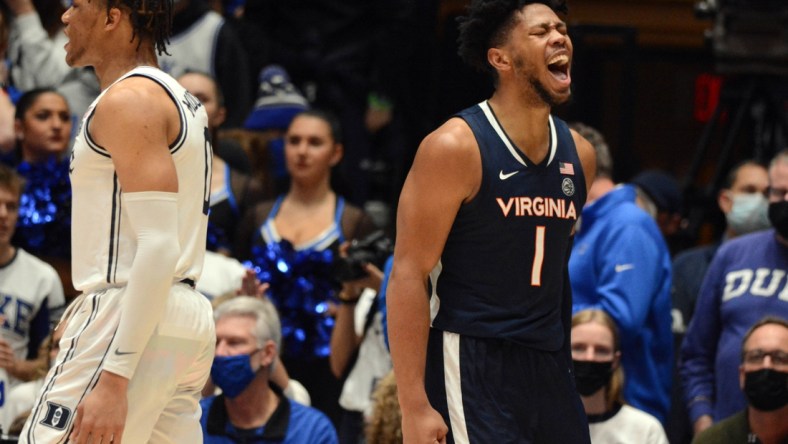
<point>114,68</point>
<point>526,125</point>
<point>7,253</point>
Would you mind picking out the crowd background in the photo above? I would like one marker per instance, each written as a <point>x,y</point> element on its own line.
<point>382,75</point>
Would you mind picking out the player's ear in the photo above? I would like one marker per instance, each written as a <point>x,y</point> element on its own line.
<point>499,59</point>
<point>113,18</point>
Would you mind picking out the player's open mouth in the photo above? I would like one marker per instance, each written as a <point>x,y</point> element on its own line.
<point>559,66</point>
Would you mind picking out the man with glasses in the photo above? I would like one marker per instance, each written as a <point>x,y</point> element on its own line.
<point>763,377</point>
<point>745,282</point>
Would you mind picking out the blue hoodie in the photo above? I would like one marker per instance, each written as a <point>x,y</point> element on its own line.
<point>621,264</point>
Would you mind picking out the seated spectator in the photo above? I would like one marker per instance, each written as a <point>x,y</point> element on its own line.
<point>21,398</point>
<point>596,354</point>
<point>30,290</point>
<point>250,408</point>
<point>385,423</point>
<point>744,283</point>
<point>763,377</point>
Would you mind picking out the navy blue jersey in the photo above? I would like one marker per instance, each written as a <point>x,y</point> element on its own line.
<point>502,271</point>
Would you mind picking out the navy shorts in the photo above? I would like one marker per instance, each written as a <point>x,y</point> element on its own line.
<point>495,391</point>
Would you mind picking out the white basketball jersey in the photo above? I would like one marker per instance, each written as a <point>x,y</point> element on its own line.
<point>103,243</point>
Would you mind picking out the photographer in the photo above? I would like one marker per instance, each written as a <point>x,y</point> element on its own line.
<point>358,352</point>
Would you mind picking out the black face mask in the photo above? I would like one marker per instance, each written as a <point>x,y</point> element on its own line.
<point>778,216</point>
<point>591,376</point>
<point>766,389</point>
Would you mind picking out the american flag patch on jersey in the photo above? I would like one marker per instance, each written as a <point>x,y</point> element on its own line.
<point>566,168</point>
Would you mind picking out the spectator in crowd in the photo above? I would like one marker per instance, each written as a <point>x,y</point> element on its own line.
<point>658,193</point>
<point>384,424</point>
<point>620,264</point>
<point>293,241</point>
<point>346,55</point>
<point>744,282</point>
<point>359,355</point>
<point>763,377</point>
<point>232,192</point>
<point>250,408</point>
<point>43,129</point>
<point>742,199</point>
<point>20,398</point>
<point>38,59</point>
<point>201,42</point>
<point>596,355</point>
<point>30,290</point>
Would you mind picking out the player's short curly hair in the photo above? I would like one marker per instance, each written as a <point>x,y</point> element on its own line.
<point>150,19</point>
<point>486,25</point>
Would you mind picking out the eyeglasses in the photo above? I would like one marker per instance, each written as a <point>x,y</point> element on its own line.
<point>756,357</point>
<point>776,193</point>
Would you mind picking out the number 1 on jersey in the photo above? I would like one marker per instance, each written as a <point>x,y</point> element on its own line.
<point>536,269</point>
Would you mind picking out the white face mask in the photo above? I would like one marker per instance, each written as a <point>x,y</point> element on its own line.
<point>749,213</point>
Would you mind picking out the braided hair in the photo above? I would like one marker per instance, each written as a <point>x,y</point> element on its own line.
<point>149,19</point>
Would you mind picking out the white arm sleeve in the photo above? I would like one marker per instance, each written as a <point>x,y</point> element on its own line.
<point>153,216</point>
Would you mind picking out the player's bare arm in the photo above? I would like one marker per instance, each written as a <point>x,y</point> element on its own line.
<point>445,173</point>
<point>135,122</point>
<point>587,157</point>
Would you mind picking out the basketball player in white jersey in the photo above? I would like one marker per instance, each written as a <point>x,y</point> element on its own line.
<point>139,348</point>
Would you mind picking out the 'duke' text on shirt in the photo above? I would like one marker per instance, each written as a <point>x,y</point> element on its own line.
<point>538,206</point>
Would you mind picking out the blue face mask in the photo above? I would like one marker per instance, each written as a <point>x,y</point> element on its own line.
<point>232,373</point>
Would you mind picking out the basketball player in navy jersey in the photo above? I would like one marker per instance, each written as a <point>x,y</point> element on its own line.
<point>479,298</point>
<point>139,347</point>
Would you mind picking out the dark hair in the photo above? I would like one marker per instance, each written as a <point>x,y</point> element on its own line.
<point>29,98</point>
<point>486,25</point>
<point>326,116</point>
<point>730,178</point>
<point>149,19</point>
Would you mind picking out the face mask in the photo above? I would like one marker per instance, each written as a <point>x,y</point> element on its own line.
<point>766,389</point>
<point>778,216</point>
<point>232,373</point>
<point>591,376</point>
<point>749,213</point>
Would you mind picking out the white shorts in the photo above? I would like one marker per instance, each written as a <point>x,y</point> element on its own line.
<point>163,394</point>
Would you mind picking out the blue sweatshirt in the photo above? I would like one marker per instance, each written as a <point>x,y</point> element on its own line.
<point>746,281</point>
<point>621,264</point>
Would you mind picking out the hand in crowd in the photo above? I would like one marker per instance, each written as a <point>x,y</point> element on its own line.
<point>701,424</point>
<point>251,285</point>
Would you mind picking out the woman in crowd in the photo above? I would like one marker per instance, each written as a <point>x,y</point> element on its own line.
<point>293,241</point>
<point>42,124</point>
<point>596,355</point>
